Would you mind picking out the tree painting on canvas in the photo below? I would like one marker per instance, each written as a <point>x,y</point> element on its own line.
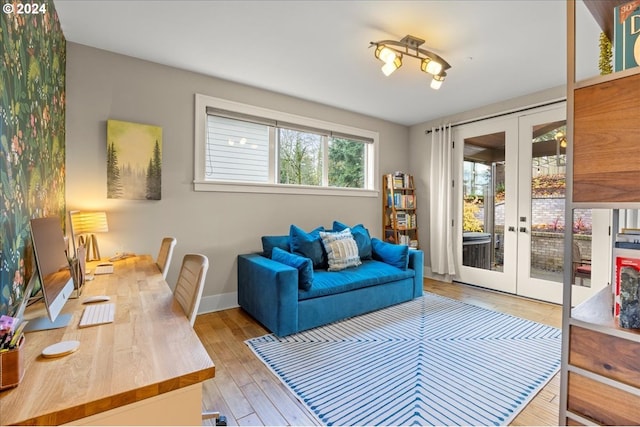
<point>134,161</point>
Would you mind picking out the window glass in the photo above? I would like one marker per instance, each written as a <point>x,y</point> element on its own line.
<point>236,150</point>
<point>346,163</point>
<point>299,157</point>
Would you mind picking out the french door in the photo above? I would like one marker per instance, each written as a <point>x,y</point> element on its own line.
<point>512,206</point>
<point>486,157</point>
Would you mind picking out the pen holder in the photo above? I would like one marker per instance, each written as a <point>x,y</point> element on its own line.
<point>12,366</point>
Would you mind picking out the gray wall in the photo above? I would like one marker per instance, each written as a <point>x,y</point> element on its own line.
<point>102,85</point>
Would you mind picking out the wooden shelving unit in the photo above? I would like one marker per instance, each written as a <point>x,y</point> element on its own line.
<point>399,213</point>
<point>600,382</point>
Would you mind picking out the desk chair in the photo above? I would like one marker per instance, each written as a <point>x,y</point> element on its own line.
<point>188,293</point>
<point>164,257</point>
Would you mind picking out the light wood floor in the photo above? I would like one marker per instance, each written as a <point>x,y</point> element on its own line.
<point>247,393</point>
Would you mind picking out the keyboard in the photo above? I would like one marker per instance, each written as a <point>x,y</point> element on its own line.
<point>97,314</point>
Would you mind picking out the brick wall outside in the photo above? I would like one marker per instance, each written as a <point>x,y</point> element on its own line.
<point>547,243</point>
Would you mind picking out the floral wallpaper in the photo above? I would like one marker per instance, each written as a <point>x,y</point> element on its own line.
<point>32,136</point>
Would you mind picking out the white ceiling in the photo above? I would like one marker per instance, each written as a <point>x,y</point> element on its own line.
<point>319,50</point>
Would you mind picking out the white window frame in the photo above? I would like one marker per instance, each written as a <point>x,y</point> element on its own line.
<point>201,184</point>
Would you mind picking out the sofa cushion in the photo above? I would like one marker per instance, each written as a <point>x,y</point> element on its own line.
<point>360,235</point>
<point>370,273</point>
<point>308,245</point>
<point>302,264</point>
<point>341,249</point>
<point>396,255</point>
<point>270,242</point>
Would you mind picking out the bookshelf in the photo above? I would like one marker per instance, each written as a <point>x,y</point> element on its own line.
<point>600,379</point>
<point>399,213</point>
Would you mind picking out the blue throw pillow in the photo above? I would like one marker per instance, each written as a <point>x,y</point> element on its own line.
<point>270,242</point>
<point>308,245</point>
<point>304,266</point>
<point>389,253</point>
<point>360,235</point>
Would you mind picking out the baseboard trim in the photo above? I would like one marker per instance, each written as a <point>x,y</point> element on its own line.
<point>441,277</point>
<point>218,302</point>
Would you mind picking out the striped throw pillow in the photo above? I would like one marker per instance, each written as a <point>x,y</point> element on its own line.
<point>342,250</point>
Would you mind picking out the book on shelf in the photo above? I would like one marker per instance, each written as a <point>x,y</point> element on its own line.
<point>402,201</point>
<point>399,179</point>
<point>627,291</point>
<point>628,239</point>
<point>403,239</point>
<point>626,35</point>
<point>405,220</point>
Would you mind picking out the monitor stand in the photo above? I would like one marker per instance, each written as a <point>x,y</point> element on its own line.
<point>43,323</point>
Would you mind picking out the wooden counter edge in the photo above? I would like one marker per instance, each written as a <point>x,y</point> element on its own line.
<point>105,404</point>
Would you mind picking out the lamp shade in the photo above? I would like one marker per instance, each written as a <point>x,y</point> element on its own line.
<point>390,67</point>
<point>385,54</point>
<point>89,222</point>
<point>431,66</point>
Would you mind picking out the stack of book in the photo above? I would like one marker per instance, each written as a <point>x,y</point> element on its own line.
<point>405,220</point>
<point>403,201</point>
<point>399,180</point>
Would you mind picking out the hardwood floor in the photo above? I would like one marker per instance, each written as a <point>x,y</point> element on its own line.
<point>247,393</point>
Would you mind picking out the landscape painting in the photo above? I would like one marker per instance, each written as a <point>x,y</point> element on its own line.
<point>134,161</point>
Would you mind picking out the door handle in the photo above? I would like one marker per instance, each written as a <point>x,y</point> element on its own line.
<point>523,229</point>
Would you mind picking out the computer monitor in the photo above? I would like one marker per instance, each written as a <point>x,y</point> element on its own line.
<point>54,272</point>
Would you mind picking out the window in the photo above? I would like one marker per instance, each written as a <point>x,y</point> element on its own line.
<point>236,150</point>
<point>300,157</point>
<point>249,149</point>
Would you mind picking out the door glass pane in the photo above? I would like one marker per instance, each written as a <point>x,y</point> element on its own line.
<point>548,171</point>
<point>581,248</point>
<point>483,201</point>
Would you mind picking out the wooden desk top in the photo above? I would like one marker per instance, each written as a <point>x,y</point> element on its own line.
<point>148,350</point>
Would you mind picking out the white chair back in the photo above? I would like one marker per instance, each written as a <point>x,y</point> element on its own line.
<point>165,254</point>
<point>188,291</point>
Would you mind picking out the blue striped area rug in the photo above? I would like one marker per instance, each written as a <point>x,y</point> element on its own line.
<point>430,361</point>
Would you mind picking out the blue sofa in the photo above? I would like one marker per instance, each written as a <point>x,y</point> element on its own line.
<point>273,292</point>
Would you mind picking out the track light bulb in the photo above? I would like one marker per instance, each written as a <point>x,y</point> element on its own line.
<point>431,66</point>
<point>390,67</point>
<point>437,82</point>
<point>385,54</point>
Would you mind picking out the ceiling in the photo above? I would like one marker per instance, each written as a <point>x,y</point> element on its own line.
<point>319,50</point>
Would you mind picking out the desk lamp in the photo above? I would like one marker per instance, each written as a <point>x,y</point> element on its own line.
<point>84,225</point>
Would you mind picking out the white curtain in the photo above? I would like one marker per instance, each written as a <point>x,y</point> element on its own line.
<point>441,202</point>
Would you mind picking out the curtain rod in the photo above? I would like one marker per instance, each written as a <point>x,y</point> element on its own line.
<point>506,113</point>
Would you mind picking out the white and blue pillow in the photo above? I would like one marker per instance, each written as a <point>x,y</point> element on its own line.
<point>341,248</point>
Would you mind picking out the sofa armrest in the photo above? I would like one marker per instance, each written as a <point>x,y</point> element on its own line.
<point>416,263</point>
<point>268,290</point>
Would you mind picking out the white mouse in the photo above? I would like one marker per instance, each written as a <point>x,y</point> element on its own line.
<point>97,298</point>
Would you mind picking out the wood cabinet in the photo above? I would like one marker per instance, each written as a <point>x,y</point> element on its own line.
<point>600,380</point>
<point>399,213</point>
<point>606,127</point>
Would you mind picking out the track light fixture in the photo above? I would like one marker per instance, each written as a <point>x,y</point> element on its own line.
<point>391,52</point>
